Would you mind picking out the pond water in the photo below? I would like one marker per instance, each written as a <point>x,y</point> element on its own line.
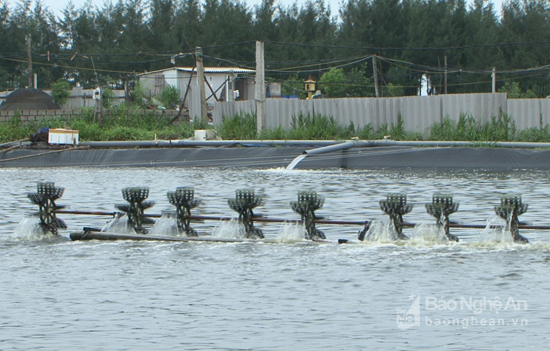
<point>483,293</point>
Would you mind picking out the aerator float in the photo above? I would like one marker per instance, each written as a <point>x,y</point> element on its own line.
<point>244,203</point>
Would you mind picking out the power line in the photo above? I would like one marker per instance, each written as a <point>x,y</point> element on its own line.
<point>380,48</point>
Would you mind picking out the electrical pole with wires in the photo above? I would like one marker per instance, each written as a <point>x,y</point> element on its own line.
<point>375,72</point>
<point>446,74</point>
<point>29,62</point>
<point>200,82</point>
<point>260,87</point>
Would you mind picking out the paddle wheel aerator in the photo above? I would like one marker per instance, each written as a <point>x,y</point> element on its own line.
<point>244,202</point>
<point>184,200</point>
<point>309,202</point>
<point>396,206</point>
<point>45,197</point>
<point>441,207</point>
<point>136,197</point>
<point>510,208</point>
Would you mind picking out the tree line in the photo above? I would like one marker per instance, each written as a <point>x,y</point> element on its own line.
<point>451,41</point>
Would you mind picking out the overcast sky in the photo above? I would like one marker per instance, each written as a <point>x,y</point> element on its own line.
<point>58,5</point>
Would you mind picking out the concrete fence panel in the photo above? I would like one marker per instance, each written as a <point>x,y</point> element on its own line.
<point>480,106</point>
<point>229,109</point>
<point>420,112</point>
<point>344,111</point>
<point>279,112</point>
<point>525,112</point>
<point>545,112</point>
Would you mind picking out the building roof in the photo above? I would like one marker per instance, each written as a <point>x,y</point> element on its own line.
<point>219,70</point>
<point>29,99</point>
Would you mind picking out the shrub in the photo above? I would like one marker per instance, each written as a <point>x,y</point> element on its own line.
<point>61,91</point>
<point>238,127</point>
<point>169,97</point>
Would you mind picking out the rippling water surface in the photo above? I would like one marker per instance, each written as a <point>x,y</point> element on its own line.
<point>422,294</point>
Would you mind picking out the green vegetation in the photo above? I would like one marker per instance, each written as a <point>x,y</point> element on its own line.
<point>61,91</point>
<point>514,91</point>
<point>500,128</point>
<point>122,124</point>
<point>337,83</point>
<point>169,96</point>
<point>107,97</point>
<point>238,127</point>
<point>294,85</point>
<point>306,127</point>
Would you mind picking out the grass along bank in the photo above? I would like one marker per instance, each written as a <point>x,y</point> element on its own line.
<point>122,125</point>
<point>306,127</point>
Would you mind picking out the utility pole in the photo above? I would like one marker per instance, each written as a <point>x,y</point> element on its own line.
<point>29,62</point>
<point>200,81</point>
<point>494,76</point>
<point>126,91</point>
<point>260,87</point>
<point>445,74</point>
<point>231,87</point>
<point>375,72</point>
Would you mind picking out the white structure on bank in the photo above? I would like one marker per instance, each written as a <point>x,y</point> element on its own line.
<point>223,81</point>
<point>426,87</point>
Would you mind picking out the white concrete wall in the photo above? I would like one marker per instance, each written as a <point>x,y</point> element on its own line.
<point>419,112</point>
<point>526,113</point>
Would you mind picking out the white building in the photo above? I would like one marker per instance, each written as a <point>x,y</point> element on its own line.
<point>224,83</point>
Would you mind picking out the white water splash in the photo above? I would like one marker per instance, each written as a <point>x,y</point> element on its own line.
<point>166,225</point>
<point>295,162</point>
<point>495,235</point>
<point>424,234</point>
<point>29,227</point>
<point>290,233</point>
<point>428,234</point>
<point>118,225</point>
<point>229,230</point>
<point>381,231</point>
